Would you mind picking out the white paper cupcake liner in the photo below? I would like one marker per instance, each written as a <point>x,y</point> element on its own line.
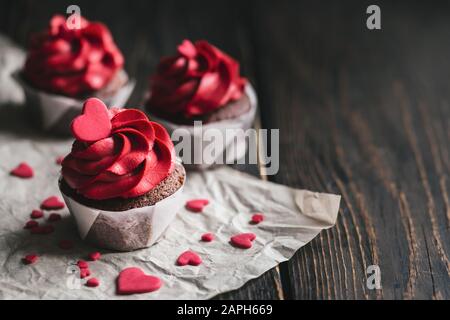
<point>239,146</point>
<point>125,230</point>
<point>53,112</point>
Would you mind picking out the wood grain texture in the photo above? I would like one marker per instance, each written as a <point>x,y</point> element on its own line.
<point>365,114</point>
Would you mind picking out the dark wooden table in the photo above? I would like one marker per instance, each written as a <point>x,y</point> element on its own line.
<point>361,113</point>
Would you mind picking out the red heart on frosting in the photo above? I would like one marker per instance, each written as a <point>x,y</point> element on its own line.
<point>134,280</point>
<point>52,203</point>
<point>189,257</point>
<point>196,205</point>
<point>23,170</point>
<point>93,124</point>
<point>243,240</point>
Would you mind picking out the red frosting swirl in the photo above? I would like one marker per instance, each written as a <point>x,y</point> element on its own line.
<point>128,161</point>
<point>197,81</point>
<point>72,62</point>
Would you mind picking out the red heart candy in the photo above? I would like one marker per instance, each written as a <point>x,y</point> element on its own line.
<point>54,217</point>
<point>82,264</point>
<point>36,214</point>
<point>134,280</point>
<point>84,273</point>
<point>30,258</point>
<point>189,257</point>
<point>93,256</point>
<point>257,218</point>
<point>59,159</point>
<point>94,123</point>
<point>65,244</point>
<point>42,229</point>
<point>196,205</point>
<point>243,240</point>
<point>93,282</point>
<point>52,203</point>
<point>23,170</point>
<point>31,224</point>
<point>208,237</point>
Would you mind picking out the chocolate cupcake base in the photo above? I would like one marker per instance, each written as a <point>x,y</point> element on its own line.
<point>127,224</point>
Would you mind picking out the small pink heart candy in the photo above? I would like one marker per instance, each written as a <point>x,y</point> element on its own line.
<point>243,240</point>
<point>189,257</point>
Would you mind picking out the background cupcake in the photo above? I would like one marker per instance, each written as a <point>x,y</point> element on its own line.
<point>64,66</point>
<point>121,181</point>
<point>201,83</point>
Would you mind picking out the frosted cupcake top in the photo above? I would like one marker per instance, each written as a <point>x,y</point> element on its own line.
<point>198,80</point>
<point>117,153</point>
<point>72,62</point>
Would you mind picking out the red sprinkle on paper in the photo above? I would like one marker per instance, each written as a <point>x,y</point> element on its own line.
<point>134,280</point>
<point>31,224</point>
<point>53,217</point>
<point>30,258</point>
<point>208,237</point>
<point>93,282</point>
<point>84,273</point>
<point>23,170</point>
<point>196,205</point>
<point>52,203</point>
<point>93,256</point>
<point>189,257</point>
<point>36,214</point>
<point>257,218</point>
<point>42,229</point>
<point>59,159</point>
<point>66,244</point>
<point>243,240</point>
<point>82,264</point>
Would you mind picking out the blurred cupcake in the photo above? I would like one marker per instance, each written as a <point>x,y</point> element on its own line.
<point>201,83</point>
<point>121,181</point>
<point>65,66</point>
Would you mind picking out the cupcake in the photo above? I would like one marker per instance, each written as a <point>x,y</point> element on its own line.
<point>64,66</point>
<point>202,83</point>
<point>121,181</point>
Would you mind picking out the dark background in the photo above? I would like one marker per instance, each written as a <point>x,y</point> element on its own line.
<point>365,114</point>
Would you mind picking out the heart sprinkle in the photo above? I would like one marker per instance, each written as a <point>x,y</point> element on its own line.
<point>31,224</point>
<point>84,273</point>
<point>196,205</point>
<point>257,218</point>
<point>59,160</point>
<point>189,258</point>
<point>36,214</point>
<point>207,237</point>
<point>93,282</point>
<point>93,256</point>
<point>30,258</point>
<point>54,217</point>
<point>23,170</point>
<point>82,264</point>
<point>134,280</point>
<point>94,123</point>
<point>52,203</point>
<point>65,244</point>
<point>243,240</point>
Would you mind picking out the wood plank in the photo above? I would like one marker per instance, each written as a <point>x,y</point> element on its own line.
<point>364,114</point>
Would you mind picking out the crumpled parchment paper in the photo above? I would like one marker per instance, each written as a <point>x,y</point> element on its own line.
<point>292,219</point>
